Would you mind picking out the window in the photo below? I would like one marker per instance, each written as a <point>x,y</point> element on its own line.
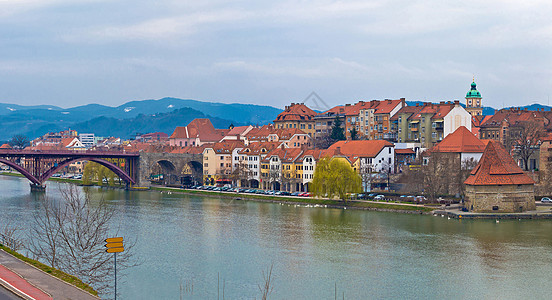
<point>423,119</point>
<point>310,126</point>
<point>400,119</point>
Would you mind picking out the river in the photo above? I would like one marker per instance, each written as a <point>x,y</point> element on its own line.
<point>224,246</point>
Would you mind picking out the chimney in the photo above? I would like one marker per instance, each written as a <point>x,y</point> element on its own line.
<point>338,150</point>
<point>417,104</point>
<point>456,102</point>
<point>389,101</point>
<point>442,102</point>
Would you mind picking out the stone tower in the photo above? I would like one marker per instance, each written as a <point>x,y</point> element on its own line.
<point>473,101</point>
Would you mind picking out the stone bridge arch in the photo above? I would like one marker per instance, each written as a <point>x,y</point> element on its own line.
<point>174,166</point>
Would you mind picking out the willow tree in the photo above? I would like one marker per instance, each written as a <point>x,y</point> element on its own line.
<point>96,172</point>
<point>335,178</point>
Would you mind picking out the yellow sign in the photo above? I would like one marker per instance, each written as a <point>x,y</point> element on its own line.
<point>114,240</point>
<point>115,250</point>
<point>114,245</point>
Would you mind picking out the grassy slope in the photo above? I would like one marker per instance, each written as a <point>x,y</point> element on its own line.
<point>283,199</point>
<point>52,271</point>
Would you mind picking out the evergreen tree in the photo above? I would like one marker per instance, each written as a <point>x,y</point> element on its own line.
<point>354,134</point>
<point>337,131</point>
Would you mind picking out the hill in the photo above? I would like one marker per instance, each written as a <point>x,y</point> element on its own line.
<point>163,122</point>
<point>34,121</point>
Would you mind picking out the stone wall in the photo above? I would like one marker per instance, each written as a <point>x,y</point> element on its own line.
<point>172,163</point>
<point>505,198</point>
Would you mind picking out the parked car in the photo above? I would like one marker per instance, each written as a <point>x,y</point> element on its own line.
<point>546,200</point>
<point>379,197</point>
<point>295,193</point>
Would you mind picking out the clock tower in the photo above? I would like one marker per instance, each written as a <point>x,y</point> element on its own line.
<point>473,101</point>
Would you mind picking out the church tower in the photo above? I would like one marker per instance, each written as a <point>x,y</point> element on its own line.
<point>473,101</point>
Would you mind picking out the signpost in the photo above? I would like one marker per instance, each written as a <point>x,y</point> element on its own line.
<point>114,245</point>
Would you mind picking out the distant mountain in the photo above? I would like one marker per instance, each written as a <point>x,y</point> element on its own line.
<point>487,110</point>
<point>34,121</point>
<point>163,122</point>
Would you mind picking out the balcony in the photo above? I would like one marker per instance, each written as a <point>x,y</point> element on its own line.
<point>414,129</point>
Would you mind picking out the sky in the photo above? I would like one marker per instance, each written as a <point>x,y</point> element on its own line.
<point>76,52</point>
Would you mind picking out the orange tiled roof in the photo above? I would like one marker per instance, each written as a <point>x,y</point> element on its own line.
<point>227,146</point>
<point>365,148</point>
<point>296,112</point>
<point>238,130</point>
<point>513,116</point>
<point>259,148</point>
<point>404,151</point>
<point>202,128</point>
<point>286,155</point>
<point>407,110</point>
<point>460,141</point>
<point>6,146</point>
<point>497,167</point>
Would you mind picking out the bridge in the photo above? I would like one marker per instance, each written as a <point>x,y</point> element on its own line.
<point>133,168</point>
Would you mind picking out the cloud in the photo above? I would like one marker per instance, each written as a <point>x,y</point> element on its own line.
<point>156,29</point>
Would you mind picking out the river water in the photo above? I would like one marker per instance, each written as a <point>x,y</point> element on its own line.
<point>222,247</point>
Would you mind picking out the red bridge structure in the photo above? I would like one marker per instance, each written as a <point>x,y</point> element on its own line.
<point>38,166</point>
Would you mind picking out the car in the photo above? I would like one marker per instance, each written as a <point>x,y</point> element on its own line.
<point>285,193</point>
<point>295,194</point>
<point>546,200</point>
<point>379,197</point>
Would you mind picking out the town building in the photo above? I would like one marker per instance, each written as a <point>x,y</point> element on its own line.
<point>368,157</point>
<point>497,184</point>
<point>217,162</point>
<point>196,133</point>
<point>297,115</point>
<point>430,123</point>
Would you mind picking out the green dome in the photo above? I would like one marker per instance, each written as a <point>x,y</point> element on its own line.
<point>473,92</point>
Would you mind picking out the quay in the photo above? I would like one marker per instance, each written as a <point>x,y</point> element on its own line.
<point>28,282</point>
<point>542,212</point>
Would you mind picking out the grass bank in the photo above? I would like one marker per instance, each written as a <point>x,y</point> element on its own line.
<point>52,271</point>
<point>363,205</point>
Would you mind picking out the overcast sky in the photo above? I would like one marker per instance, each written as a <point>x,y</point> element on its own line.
<point>74,52</point>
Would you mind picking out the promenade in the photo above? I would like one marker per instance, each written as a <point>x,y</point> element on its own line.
<point>29,282</point>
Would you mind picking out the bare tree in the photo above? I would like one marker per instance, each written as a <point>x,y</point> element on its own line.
<point>524,140</point>
<point>465,169</point>
<point>69,235</point>
<point>323,141</point>
<point>365,172</point>
<point>266,288</point>
<point>273,176</point>
<point>241,173</point>
<point>19,141</point>
<point>9,234</point>
<point>436,174</point>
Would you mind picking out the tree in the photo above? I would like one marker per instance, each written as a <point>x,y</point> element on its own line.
<point>335,178</point>
<point>241,173</point>
<point>354,133</point>
<point>524,140</point>
<point>337,131</point>
<point>69,235</point>
<point>19,141</point>
<point>94,172</point>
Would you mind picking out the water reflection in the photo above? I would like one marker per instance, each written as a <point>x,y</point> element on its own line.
<point>367,254</point>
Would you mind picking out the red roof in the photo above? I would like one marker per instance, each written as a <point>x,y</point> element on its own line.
<point>202,128</point>
<point>460,141</point>
<point>6,146</point>
<point>404,151</point>
<point>364,148</point>
<point>497,167</point>
<point>296,112</point>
